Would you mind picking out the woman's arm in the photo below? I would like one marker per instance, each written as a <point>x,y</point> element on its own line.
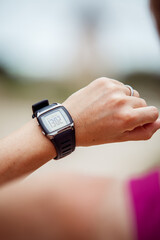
<point>103,112</point>
<point>24,151</point>
<point>65,206</point>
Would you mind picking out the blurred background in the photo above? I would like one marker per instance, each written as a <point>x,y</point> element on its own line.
<point>51,48</point>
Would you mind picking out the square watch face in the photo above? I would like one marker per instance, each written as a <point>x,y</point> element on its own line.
<point>54,120</point>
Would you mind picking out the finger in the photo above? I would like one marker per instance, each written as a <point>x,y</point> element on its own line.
<point>136,93</point>
<point>126,89</point>
<point>142,133</point>
<point>136,102</point>
<point>128,92</point>
<point>141,116</point>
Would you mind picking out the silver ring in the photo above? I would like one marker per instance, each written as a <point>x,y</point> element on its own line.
<point>131,90</point>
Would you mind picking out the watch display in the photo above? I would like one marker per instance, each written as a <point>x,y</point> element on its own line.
<point>55,120</point>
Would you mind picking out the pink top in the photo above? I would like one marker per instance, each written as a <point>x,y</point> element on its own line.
<point>145,192</point>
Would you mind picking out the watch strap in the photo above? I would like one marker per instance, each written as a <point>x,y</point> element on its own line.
<point>38,106</point>
<point>64,143</point>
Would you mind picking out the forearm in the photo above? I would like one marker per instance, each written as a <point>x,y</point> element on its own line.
<point>24,151</point>
<point>64,207</point>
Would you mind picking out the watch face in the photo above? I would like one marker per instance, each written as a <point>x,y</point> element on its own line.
<point>55,120</point>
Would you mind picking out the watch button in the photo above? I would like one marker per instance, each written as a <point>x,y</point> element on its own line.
<point>43,133</point>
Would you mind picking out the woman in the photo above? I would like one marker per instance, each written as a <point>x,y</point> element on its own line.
<point>68,206</point>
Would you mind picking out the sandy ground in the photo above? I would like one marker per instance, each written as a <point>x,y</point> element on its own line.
<point>121,159</point>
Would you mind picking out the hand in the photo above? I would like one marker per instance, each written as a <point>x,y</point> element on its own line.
<point>104,112</point>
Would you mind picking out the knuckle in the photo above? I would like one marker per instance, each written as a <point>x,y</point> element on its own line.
<point>116,100</point>
<point>106,83</point>
<point>117,82</point>
<point>126,119</point>
<point>130,117</point>
<point>113,87</point>
<point>121,101</point>
<point>155,113</point>
<point>115,91</point>
<point>143,102</point>
<point>129,120</point>
<point>102,81</point>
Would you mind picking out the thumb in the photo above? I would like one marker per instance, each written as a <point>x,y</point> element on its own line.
<point>144,132</point>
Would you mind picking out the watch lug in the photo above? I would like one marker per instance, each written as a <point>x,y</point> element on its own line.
<point>53,134</point>
<point>50,136</point>
<point>43,133</point>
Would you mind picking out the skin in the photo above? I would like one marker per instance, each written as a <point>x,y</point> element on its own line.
<point>117,117</point>
<point>73,206</point>
<point>64,207</point>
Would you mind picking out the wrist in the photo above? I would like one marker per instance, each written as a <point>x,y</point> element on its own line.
<point>77,124</point>
<point>45,149</point>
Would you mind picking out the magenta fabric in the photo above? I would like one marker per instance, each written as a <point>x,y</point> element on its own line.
<point>145,192</point>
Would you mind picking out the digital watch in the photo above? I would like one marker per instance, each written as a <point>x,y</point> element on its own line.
<point>57,125</point>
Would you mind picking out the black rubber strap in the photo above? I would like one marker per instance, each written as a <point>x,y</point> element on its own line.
<point>38,106</point>
<point>64,143</point>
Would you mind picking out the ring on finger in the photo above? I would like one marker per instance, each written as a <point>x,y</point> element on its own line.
<point>131,90</point>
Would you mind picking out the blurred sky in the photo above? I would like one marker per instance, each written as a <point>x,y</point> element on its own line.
<point>57,38</point>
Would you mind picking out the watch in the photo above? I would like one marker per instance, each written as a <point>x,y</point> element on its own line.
<point>57,125</point>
